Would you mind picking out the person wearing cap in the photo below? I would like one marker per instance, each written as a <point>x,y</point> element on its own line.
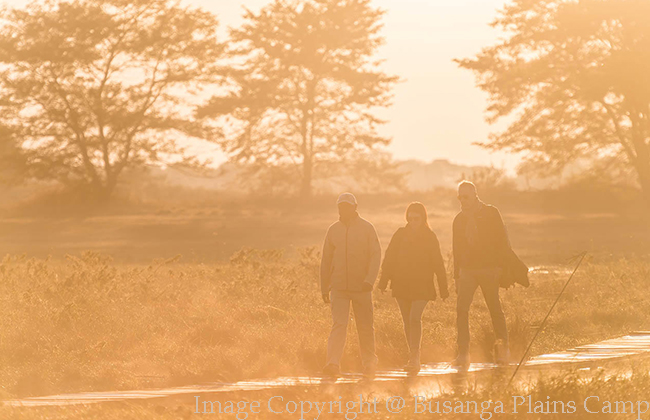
<point>480,245</point>
<point>412,260</point>
<point>349,266</point>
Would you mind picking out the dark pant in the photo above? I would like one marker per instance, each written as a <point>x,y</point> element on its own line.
<point>412,317</point>
<point>469,281</point>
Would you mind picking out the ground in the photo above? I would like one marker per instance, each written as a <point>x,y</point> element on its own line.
<point>188,293</point>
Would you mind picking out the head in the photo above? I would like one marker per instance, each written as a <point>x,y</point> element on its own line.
<point>416,216</point>
<point>467,195</point>
<point>347,204</point>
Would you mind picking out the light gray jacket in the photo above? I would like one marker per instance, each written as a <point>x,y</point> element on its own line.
<point>351,256</point>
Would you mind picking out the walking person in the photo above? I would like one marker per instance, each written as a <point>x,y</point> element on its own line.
<point>412,260</point>
<point>349,267</point>
<point>480,248</point>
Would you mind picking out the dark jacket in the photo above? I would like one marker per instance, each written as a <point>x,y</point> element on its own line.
<point>491,244</point>
<point>411,261</point>
<point>491,248</point>
<point>513,271</point>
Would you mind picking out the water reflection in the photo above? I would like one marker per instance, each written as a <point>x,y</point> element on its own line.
<point>433,379</point>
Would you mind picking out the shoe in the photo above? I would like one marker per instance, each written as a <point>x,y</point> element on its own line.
<point>331,370</point>
<point>501,353</point>
<point>369,372</point>
<point>462,361</point>
<point>412,367</point>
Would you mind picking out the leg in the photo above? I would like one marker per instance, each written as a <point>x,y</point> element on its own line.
<point>405,310</point>
<point>417,308</point>
<point>466,287</point>
<point>490,289</point>
<point>340,304</point>
<point>363,316</point>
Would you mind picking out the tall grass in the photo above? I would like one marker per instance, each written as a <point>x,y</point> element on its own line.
<point>86,323</point>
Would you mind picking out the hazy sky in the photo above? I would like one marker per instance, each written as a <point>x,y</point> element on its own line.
<point>438,112</point>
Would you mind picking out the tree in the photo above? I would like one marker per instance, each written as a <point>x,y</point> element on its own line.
<point>301,96</point>
<point>576,74</point>
<point>12,160</point>
<point>89,88</point>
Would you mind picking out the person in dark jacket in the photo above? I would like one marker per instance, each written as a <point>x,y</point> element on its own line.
<point>412,260</point>
<point>480,247</point>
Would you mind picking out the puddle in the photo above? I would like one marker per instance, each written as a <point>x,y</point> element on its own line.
<point>630,345</point>
<point>549,270</point>
<point>634,344</point>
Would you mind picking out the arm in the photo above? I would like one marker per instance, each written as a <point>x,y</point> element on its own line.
<point>384,278</point>
<point>388,265</point>
<point>501,241</point>
<point>439,268</point>
<point>455,248</point>
<point>326,264</point>
<point>374,259</point>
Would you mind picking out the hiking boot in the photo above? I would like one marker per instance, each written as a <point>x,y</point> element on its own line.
<point>412,367</point>
<point>331,370</point>
<point>369,372</point>
<point>461,361</point>
<point>501,353</point>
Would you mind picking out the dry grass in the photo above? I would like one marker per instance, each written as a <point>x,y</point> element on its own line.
<point>86,323</point>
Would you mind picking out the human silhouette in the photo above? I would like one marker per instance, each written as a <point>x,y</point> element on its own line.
<point>412,260</point>
<point>349,267</point>
<point>480,246</point>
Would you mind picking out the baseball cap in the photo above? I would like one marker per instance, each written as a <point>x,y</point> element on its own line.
<point>347,198</point>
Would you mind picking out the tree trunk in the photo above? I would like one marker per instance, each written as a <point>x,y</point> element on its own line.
<point>641,154</point>
<point>305,186</point>
<point>305,189</point>
<point>307,132</point>
<point>643,169</point>
<point>100,195</point>
<point>100,191</point>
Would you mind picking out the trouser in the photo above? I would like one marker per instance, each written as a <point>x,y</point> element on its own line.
<point>412,317</point>
<point>469,281</point>
<point>363,315</point>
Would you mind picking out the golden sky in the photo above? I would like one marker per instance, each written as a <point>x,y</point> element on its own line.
<point>437,111</point>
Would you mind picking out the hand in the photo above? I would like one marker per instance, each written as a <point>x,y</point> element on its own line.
<point>366,287</point>
<point>382,285</point>
<point>444,294</point>
<point>326,298</point>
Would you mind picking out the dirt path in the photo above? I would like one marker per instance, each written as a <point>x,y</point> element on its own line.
<point>634,344</point>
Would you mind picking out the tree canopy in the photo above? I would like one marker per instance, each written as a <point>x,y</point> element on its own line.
<point>91,87</point>
<point>302,88</point>
<point>575,74</point>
